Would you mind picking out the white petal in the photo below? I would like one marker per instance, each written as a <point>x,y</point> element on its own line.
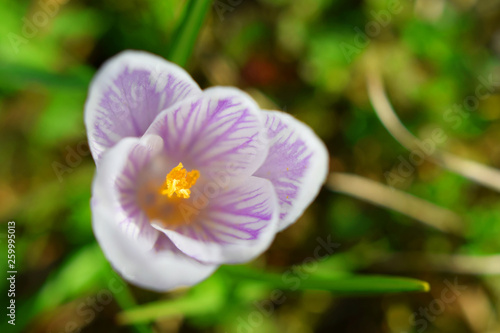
<point>140,253</point>
<point>127,93</point>
<point>297,164</point>
<point>116,181</point>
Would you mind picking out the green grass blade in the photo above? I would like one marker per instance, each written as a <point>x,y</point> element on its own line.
<point>186,33</point>
<point>339,284</point>
<point>208,297</point>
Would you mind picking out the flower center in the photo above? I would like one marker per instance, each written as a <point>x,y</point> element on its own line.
<point>179,181</point>
<point>166,204</point>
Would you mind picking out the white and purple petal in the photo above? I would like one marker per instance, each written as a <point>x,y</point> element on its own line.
<point>234,226</point>
<point>220,132</point>
<point>296,165</point>
<point>126,95</point>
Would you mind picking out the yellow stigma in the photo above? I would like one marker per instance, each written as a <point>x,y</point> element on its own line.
<point>179,181</point>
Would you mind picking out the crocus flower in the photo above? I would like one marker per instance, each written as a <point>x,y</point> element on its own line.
<point>187,180</point>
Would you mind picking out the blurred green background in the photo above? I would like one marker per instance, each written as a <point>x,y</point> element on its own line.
<point>306,57</point>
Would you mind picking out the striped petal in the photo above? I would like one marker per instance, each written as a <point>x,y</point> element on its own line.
<point>219,132</point>
<point>126,95</point>
<point>297,164</point>
<point>235,225</point>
